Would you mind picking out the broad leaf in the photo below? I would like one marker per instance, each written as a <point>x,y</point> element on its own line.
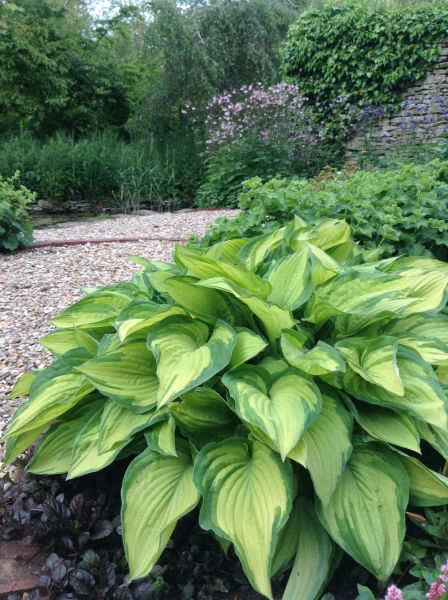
<point>436,437</point>
<point>426,487</point>
<point>248,345</point>
<point>160,437</point>
<point>234,477</point>
<point>320,360</point>
<point>290,278</point>
<point>95,310</point>
<point>256,249</point>
<point>127,375</point>
<point>22,385</point>
<point>187,355</point>
<point>157,490</point>
<point>366,513</point>
<point>283,408</point>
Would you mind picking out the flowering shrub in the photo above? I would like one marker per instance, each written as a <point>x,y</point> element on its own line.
<point>257,131</point>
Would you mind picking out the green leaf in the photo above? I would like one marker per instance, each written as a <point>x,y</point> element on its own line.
<point>204,416</point>
<point>141,326</point>
<point>375,360</point>
<point>22,385</point>
<point>248,345</point>
<point>62,340</point>
<point>205,268</point>
<point>127,375</point>
<point>320,360</point>
<point>423,397</point>
<point>55,390</point>
<point>53,452</point>
<point>325,234</point>
<point>287,541</point>
<point>17,444</point>
<point>364,593</point>
<point>326,446</point>
<point>323,266</point>
<point>314,556</point>
<point>160,437</point>
<point>157,490</point>
<point>290,278</point>
<point>426,487</point>
<point>365,515</point>
<point>427,326</point>
<point>434,436</point>
<point>390,426</point>
<point>256,249</point>
<point>283,408</point>
<point>234,477</point>
<point>95,310</point>
<point>187,355</point>
<point>119,424</point>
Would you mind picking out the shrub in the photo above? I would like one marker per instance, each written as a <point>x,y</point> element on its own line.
<point>363,54</point>
<point>401,210</point>
<point>283,383</point>
<point>257,130</point>
<point>15,231</point>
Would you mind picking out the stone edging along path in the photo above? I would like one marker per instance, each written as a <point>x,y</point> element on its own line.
<point>100,241</point>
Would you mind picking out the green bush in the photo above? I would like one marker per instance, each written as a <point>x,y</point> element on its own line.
<point>401,210</point>
<point>15,231</point>
<point>350,56</point>
<point>102,167</point>
<point>286,384</point>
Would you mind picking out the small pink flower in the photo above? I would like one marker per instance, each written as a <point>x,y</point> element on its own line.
<point>393,593</point>
<point>436,591</point>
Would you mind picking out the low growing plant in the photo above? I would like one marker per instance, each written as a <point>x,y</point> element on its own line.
<point>401,210</point>
<point>15,230</point>
<point>283,384</point>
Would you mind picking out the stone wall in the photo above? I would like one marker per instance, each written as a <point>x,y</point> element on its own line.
<point>424,115</point>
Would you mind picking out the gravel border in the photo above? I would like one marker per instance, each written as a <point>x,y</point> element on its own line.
<point>35,285</point>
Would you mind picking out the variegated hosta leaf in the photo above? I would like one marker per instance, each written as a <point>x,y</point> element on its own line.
<point>23,384</point>
<point>326,446</point>
<point>160,437</point>
<point>320,360</point>
<point>427,326</point>
<point>423,397</point>
<point>436,437</point>
<point>314,556</point>
<point>157,490</point>
<point>119,424</point>
<point>325,233</point>
<point>53,392</point>
<point>426,487</point>
<point>204,268</point>
<point>226,251</point>
<point>256,249</point>
<point>366,513</point>
<point>348,253</point>
<point>62,340</point>
<point>187,355</point>
<point>323,266</point>
<point>234,477</point>
<point>139,309</point>
<point>248,345</point>
<point>286,549</point>
<point>95,310</point>
<point>283,407</point>
<point>433,350</point>
<point>141,326</point>
<point>16,444</point>
<point>204,416</point>
<point>375,360</point>
<point>274,366</point>
<point>429,289</point>
<point>387,425</point>
<point>206,303</point>
<point>290,278</point>
<point>364,294</point>
<point>127,375</point>
<point>85,456</point>
<point>420,262</point>
<point>53,452</point>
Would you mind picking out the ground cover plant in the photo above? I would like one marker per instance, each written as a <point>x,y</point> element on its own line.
<point>289,386</point>
<point>400,210</point>
<point>15,230</point>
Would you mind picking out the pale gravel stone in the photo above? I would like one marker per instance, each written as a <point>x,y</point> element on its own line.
<point>35,285</point>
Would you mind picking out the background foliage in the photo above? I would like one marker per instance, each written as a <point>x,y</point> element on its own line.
<point>15,231</point>
<point>346,56</point>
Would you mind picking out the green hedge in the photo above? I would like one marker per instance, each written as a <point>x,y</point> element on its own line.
<point>367,56</point>
<point>15,231</point>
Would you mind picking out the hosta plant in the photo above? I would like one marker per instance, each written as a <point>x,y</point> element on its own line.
<point>282,384</point>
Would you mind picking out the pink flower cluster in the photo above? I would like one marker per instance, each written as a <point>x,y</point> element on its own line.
<point>436,590</point>
<point>274,115</point>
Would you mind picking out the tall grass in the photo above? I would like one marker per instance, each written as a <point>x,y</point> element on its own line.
<point>102,168</point>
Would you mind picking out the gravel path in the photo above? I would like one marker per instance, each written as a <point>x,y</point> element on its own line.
<point>35,285</point>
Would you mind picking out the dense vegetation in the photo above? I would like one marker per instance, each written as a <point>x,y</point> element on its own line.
<point>15,230</point>
<point>293,371</point>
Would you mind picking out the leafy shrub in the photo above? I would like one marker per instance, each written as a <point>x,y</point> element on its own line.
<point>286,384</point>
<point>363,54</point>
<point>15,231</point>
<point>401,210</point>
<point>257,130</point>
